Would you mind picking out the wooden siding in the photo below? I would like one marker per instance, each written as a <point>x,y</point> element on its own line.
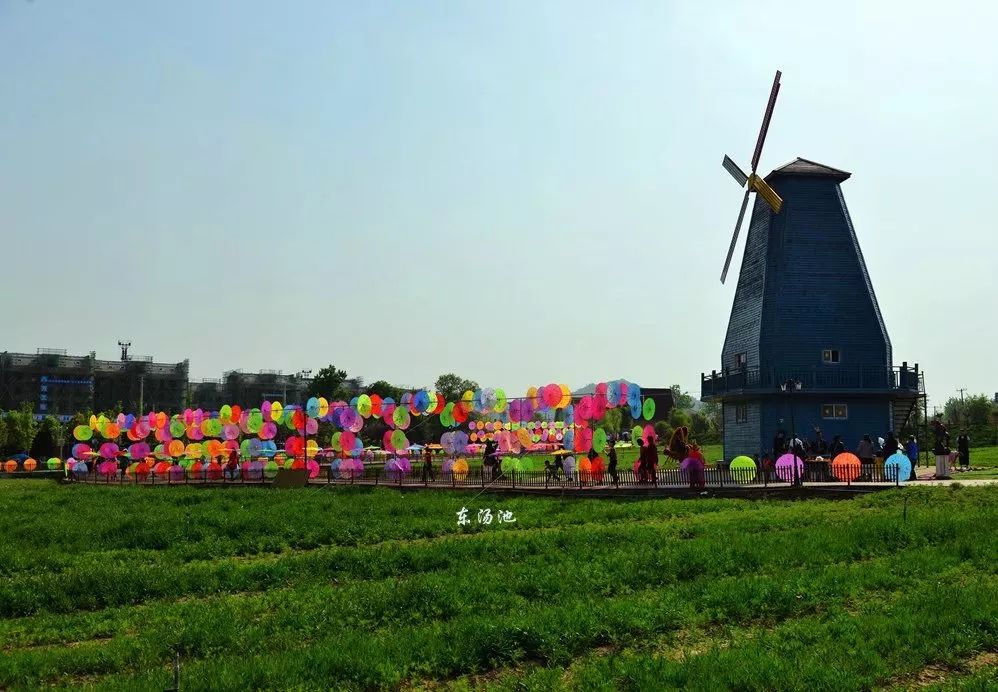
<point>746,310</point>
<point>742,438</point>
<point>817,295</point>
<point>867,416</point>
<point>866,276</point>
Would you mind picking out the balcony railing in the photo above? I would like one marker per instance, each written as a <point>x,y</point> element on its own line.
<point>819,378</point>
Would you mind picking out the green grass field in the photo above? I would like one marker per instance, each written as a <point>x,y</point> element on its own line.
<point>373,588</point>
<point>983,461</point>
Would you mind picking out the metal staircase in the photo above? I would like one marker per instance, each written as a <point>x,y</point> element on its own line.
<point>905,408</point>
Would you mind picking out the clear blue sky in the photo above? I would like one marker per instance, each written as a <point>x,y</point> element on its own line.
<point>520,192</point>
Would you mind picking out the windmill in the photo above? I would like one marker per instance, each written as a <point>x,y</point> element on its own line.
<point>800,346</point>
<point>752,182</point>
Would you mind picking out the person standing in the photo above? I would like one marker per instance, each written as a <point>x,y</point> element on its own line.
<point>652,459</point>
<point>891,446</point>
<point>556,468</point>
<point>494,455</point>
<point>611,456</point>
<point>779,444</point>
<point>963,449</point>
<point>428,465</point>
<point>488,460</point>
<point>642,460</point>
<point>837,447</point>
<point>911,450</point>
<point>697,473</point>
<point>797,447</point>
<point>232,468</point>
<point>820,447</point>
<point>864,450</point>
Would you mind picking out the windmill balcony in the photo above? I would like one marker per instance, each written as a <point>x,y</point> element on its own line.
<point>751,381</point>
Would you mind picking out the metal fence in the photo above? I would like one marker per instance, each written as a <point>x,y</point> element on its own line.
<point>710,477</point>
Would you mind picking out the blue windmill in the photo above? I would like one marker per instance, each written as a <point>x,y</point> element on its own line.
<point>806,346</point>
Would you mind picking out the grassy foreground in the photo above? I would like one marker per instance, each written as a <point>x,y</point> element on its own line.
<point>372,588</point>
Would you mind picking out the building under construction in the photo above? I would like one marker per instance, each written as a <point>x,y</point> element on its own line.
<point>248,389</point>
<point>58,384</point>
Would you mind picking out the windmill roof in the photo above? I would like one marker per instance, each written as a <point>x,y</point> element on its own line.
<point>801,166</point>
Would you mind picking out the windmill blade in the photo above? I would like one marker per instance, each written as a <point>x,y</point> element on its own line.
<point>766,192</point>
<point>765,121</point>
<point>737,173</point>
<point>734,237</point>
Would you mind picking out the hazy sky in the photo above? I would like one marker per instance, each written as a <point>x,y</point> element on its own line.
<point>520,192</point>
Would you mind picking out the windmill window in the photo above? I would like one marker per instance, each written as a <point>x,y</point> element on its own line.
<point>835,411</point>
<point>741,360</point>
<point>831,356</point>
<point>741,413</point>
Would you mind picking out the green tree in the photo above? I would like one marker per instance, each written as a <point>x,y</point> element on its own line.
<point>979,410</point>
<point>612,420</point>
<point>79,418</point>
<point>679,417</point>
<point>683,400</point>
<point>452,387</point>
<point>48,441</point>
<point>331,383</point>
<point>972,411</point>
<point>663,431</point>
<point>701,426</point>
<point>712,410</point>
<point>715,421</point>
<point>3,432</point>
<point>21,428</point>
<point>385,390</point>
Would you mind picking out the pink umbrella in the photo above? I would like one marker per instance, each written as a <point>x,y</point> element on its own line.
<point>785,468</point>
<point>694,469</point>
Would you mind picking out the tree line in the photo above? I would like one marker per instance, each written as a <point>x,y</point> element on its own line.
<point>22,433</point>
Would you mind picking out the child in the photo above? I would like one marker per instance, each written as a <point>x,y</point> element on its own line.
<point>911,449</point>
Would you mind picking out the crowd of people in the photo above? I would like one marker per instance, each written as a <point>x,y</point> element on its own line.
<point>554,469</point>
<point>867,449</point>
<point>871,452</point>
<point>645,467</point>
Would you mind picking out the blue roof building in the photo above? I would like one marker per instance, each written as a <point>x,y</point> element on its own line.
<point>805,311</point>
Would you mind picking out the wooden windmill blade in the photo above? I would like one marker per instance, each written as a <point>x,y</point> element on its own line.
<point>752,182</point>
<point>763,189</point>
<point>737,173</point>
<point>765,121</point>
<point>734,236</point>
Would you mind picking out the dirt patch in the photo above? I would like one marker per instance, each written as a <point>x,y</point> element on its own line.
<point>938,673</point>
<point>61,645</point>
